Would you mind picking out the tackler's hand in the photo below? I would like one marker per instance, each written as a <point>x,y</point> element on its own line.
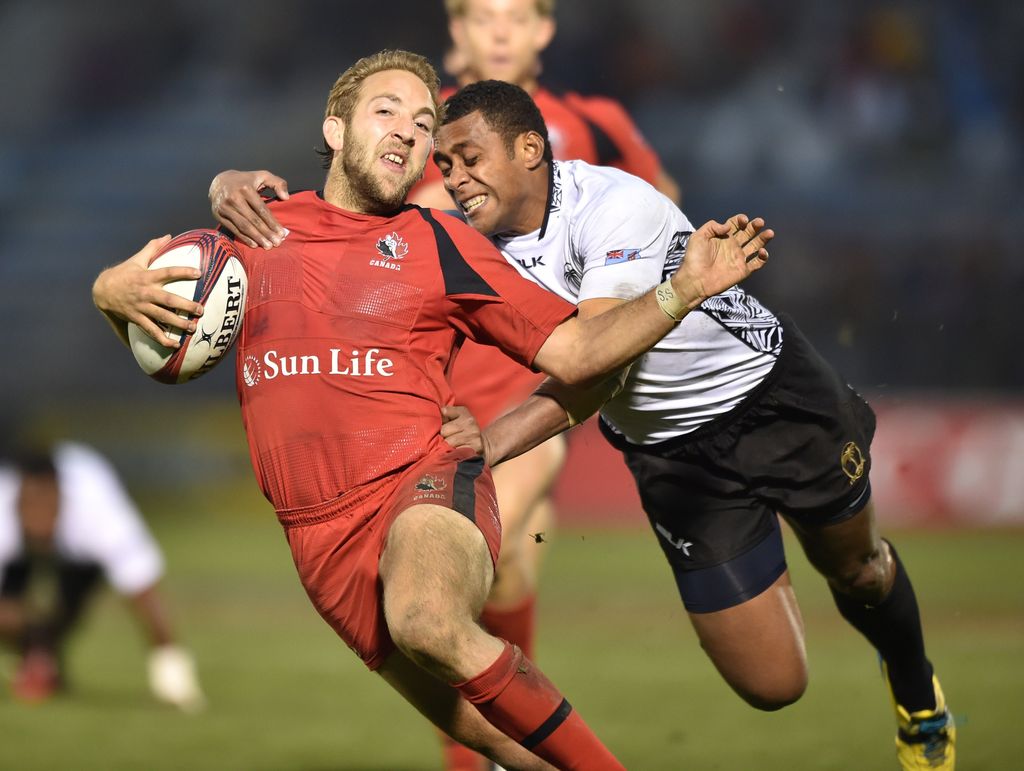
<point>460,429</point>
<point>237,204</point>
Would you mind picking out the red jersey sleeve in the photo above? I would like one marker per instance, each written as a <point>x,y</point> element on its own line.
<point>636,156</point>
<point>487,300</point>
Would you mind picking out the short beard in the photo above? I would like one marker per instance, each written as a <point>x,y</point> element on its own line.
<point>364,188</point>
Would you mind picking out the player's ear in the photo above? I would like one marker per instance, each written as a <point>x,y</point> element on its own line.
<point>457,30</point>
<point>334,132</point>
<point>545,32</point>
<point>531,147</point>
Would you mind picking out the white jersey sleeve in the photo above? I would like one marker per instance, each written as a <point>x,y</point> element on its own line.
<point>10,530</point>
<point>99,522</point>
<point>624,235</point>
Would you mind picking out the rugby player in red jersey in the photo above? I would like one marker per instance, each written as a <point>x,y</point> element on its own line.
<point>503,40</point>
<point>349,329</point>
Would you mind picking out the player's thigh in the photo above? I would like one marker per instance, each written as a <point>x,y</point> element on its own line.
<point>758,646</point>
<point>437,557</point>
<point>443,535</point>
<point>521,483</point>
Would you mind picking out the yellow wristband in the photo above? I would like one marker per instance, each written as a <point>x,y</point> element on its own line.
<point>669,301</point>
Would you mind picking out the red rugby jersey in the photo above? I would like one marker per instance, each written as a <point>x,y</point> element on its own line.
<point>349,330</point>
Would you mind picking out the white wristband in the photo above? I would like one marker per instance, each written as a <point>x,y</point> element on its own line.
<point>669,301</point>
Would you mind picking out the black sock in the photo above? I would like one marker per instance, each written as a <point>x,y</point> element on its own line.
<point>894,628</point>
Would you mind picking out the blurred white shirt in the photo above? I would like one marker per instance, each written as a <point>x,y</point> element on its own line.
<point>97,520</point>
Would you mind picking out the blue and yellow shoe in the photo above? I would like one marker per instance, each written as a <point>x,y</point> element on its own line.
<point>926,739</point>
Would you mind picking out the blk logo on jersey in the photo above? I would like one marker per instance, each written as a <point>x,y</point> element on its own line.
<point>615,256</point>
<point>678,543</point>
<point>391,248</point>
<point>531,263</point>
<point>272,365</point>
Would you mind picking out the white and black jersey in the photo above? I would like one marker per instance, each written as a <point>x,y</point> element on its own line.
<point>608,234</point>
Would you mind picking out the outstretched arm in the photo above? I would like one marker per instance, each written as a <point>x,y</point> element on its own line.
<point>582,351</point>
<point>149,610</point>
<point>130,291</point>
<point>548,411</point>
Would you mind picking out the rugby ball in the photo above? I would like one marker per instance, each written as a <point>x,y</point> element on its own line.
<point>221,289</point>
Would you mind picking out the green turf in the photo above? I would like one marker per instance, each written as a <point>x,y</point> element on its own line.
<point>286,694</point>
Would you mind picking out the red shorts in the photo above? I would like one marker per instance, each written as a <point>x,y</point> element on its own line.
<point>337,544</point>
<point>489,382</point>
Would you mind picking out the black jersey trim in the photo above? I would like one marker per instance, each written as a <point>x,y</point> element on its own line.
<point>607,150</point>
<point>605,147</point>
<point>464,487</point>
<point>457,274</point>
<point>738,333</point>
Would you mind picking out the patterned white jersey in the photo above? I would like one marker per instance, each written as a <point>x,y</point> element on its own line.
<point>96,520</point>
<point>609,234</point>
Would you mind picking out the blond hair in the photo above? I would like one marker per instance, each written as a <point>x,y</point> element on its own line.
<point>341,101</point>
<point>458,7</point>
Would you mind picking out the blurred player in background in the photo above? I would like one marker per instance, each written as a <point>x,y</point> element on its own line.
<point>66,522</point>
<point>503,40</point>
<point>730,420</point>
<point>394,534</point>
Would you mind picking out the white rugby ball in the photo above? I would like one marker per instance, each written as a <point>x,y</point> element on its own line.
<point>221,289</point>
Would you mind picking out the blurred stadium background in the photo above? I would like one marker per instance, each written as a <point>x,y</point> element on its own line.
<point>882,140</point>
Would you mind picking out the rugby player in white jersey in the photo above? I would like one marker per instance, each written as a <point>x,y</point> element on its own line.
<point>65,522</point>
<point>731,421</point>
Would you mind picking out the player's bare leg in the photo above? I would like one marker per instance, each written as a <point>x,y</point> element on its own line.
<point>517,578</point>
<point>523,487</point>
<point>436,572</point>
<point>758,646</point>
<point>874,594</point>
<point>445,708</point>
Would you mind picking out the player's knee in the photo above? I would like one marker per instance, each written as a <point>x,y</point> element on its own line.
<point>865,580</point>
<point>422,633</point>
<point>774,694</point>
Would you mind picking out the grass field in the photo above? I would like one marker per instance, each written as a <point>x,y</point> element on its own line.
<point>286,694</point>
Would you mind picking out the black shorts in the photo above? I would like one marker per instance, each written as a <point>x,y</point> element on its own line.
<point>75,583</point>
<point>798,445</point>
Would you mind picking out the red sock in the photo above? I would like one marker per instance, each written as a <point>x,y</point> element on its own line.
<point>514,624</point>
<point>516,698</point>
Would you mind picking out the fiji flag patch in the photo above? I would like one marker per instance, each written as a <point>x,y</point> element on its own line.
<point>615,256</point>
